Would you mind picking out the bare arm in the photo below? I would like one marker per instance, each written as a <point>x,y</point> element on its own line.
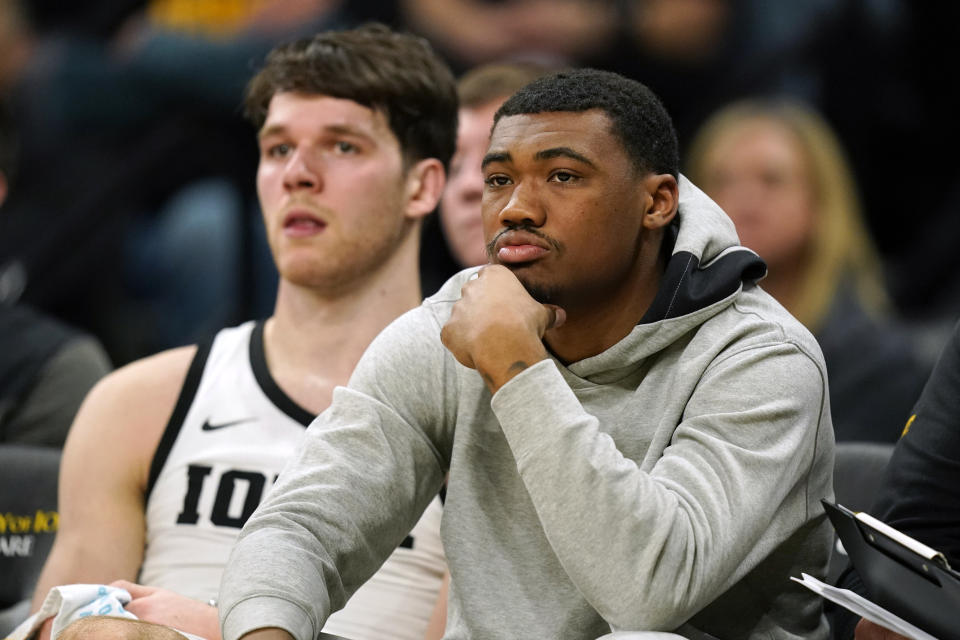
<point>104,470</point>
<point>438,619</point>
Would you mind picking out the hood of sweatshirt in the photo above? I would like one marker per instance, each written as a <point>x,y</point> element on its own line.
<point>707,263</point>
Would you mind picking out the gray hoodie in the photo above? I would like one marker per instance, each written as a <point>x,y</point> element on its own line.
<point>671,482</point>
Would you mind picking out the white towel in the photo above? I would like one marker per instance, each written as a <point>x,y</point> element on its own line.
<point>74,601</point>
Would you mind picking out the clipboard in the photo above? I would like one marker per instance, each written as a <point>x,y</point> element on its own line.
<point>901,574</point>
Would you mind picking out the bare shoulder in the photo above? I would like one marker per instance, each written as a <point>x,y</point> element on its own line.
<point>104,470</point>
<point>155,380</point>
<point>144,391</point>
<point>129,409</point>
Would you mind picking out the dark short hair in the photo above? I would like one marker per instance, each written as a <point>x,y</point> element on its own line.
<point>639,119</point>
<point>398,74</point>
<point>498,80</point>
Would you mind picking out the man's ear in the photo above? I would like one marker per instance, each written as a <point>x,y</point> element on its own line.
<point>3,188</point>
<point>424,186</point>
<point>664,198</point>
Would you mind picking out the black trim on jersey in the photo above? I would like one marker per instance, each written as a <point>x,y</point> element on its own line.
<point>258,360</point>
<point>187,394</point>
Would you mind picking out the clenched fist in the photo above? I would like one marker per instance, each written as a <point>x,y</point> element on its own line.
<point>497,327</point>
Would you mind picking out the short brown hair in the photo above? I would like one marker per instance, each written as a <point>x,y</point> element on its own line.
<point>396,73</point>
<point>499,80</point>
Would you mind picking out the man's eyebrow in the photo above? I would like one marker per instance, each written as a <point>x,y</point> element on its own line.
<point>563,152</point>
<point>337,129</point>
<point>345,129</point>
<point>270,130</point>
<point>496,156</point>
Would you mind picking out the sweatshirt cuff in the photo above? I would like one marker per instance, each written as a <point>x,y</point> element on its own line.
<point>260,612</point>
<point>536,398</point>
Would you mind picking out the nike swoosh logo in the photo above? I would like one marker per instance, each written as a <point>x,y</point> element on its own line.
<point>213,427</point>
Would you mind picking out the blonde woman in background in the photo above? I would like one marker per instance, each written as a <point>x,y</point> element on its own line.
<point>779,172</point>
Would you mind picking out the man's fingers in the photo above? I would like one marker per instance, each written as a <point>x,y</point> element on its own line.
<point>867,630</point>
<point>556,316</point>
<point>135,590</point>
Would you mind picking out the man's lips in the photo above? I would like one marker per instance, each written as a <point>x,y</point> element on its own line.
<point>299,224</point>
<point>514,247</point>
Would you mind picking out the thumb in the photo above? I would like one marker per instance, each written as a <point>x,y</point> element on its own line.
<point>556,316</point>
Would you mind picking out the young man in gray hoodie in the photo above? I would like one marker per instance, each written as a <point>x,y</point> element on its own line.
<point>636,435</point>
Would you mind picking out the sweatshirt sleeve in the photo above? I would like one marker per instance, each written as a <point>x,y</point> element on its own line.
<point>367,469</point>
<point>730,486</point>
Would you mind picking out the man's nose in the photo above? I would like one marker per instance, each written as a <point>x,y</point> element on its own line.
<point>470,188</point>
<point>302,172</point>
<point>466,181</point>
<point>524,207</point>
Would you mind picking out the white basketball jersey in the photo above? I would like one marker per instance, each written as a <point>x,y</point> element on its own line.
<point>231,433</point>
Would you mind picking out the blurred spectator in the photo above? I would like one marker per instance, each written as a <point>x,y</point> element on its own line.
<point>46,370</point>
<point>695,54</point>
<point>481,91</point>
<point>472,32</point>
<point>881,65</point>
<point>46,367</point>
<point>779,172</point>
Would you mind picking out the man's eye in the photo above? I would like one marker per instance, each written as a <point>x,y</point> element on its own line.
<point>497,181</point>
<point>563,176</point>
<point>342,146</point>
<point>278,150</point>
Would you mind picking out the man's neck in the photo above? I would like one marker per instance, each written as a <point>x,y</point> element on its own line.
<point>588,332</point>
<point>314,339</point>
<point>601,322</point>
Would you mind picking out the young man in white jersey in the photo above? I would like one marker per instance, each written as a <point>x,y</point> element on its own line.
<point>170,455</point>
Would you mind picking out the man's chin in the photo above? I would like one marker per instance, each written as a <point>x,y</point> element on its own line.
<point>541,292</point>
